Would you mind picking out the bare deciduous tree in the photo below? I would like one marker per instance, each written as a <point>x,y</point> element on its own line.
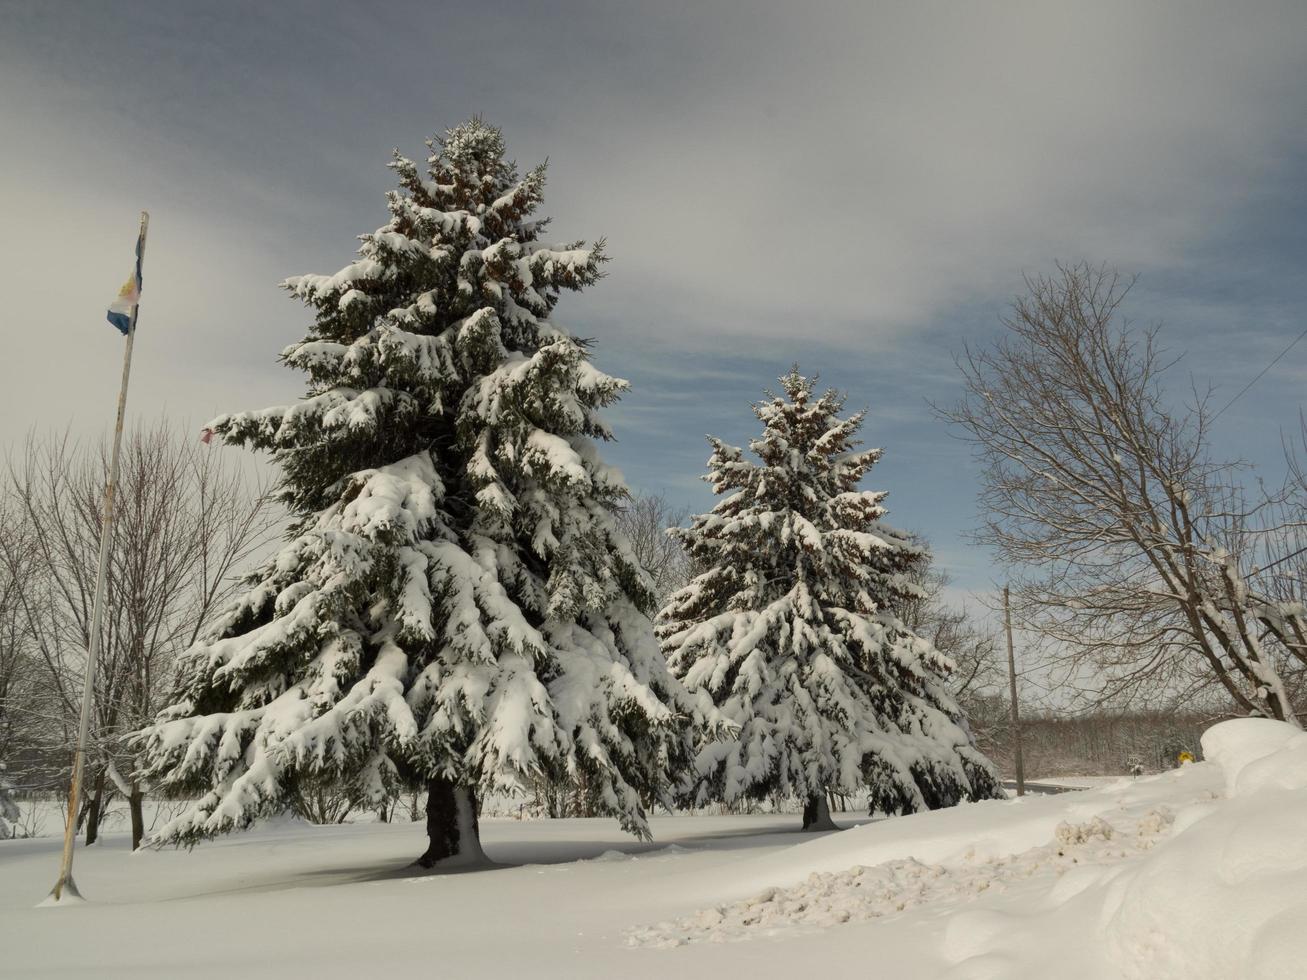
<point>185,523</point>
<point>646,520</point>
<point>1141,557</point>
<point>953,631</point>
<point>20,694</point>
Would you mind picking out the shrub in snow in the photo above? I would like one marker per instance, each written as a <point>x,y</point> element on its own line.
<point>456,608</point>
<point>790,629</point>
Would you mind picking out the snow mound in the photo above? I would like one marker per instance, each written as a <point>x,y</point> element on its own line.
<point>1240,746</point>
<point>862,893</point>
<point>1228,896</point>
<point>968,832</point>
<point>1223,898</point>
<point>613,855</point>
<point>1196,874</point>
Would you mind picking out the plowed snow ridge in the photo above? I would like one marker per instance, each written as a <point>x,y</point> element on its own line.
<point>863,893</point>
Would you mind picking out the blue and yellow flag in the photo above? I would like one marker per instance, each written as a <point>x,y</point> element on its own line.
<point>120,310</point>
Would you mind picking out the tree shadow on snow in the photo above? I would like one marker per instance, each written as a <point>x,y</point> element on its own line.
<point>506,855</point>
<point>758,837</point>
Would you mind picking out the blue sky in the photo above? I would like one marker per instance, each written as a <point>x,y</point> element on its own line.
<point>857,188</point>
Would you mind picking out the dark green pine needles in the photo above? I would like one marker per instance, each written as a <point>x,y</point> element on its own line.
<point>791,630</point>
<point>454,604</point>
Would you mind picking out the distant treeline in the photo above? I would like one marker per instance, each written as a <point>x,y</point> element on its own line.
<point>1096,745</point>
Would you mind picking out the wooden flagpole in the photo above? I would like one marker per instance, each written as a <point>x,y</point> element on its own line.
<point>64,887</point>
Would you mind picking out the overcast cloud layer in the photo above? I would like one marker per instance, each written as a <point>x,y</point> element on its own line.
<point>859,188</point>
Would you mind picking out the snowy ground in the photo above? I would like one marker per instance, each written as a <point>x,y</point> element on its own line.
<point>1200,873</point>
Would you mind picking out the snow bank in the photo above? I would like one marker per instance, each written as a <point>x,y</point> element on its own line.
<point>864,893</point>
<point>1223,898</point>
<point>1228,896</point>
<point>1197,874</point>
<point>969,832</point>
<point>1242,748</point>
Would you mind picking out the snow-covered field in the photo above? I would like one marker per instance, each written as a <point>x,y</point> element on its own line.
<point>1199,873</point>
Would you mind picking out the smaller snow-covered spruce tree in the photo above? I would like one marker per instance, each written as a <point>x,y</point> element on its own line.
<point>790,629</point>
<point>456,608</point>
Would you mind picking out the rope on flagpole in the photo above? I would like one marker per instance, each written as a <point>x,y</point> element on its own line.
<point>64,887</point>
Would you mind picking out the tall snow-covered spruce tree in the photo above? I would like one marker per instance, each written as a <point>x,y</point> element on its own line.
<point>455,608</point>
<point>791,630</point>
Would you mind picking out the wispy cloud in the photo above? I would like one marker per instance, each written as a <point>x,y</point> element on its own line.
<point>857,187</point>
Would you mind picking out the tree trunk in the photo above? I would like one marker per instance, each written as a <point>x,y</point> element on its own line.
<point>93,811</point>
<point>452,827</point>
<point>816,814</point>
<point>134,803</point>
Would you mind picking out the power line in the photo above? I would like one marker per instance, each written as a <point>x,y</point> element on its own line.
<point>1281,561</point>
<point>1260,374</point>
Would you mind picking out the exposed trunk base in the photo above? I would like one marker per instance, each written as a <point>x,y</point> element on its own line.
<point>816,814</point>
<point>452,828</point>
<point>95,809</point>
<point>134,803</point>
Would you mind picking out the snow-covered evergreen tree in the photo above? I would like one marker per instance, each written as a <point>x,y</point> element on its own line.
<point>791,629</point>
<point>455,607</point>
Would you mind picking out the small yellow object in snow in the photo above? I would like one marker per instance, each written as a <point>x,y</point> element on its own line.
<point>1184,757</point>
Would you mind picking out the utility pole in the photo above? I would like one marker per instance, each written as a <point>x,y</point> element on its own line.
<point>1012,687</point>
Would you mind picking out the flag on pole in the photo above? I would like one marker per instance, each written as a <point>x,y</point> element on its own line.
<point>120,310</point>
<point>122,314</point>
